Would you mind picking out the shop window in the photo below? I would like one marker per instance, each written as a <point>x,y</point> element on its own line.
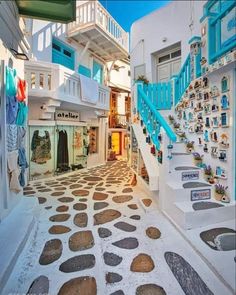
<point>93,140</point>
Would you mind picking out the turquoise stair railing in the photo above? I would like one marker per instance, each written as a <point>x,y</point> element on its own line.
<point>183,80</point>
<point>152,119</point>
<point>159,94</point>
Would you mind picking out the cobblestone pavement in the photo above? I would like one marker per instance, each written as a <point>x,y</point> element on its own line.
<point>96,234</point>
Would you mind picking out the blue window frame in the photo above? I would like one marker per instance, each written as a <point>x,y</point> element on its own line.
<point>62,54</point>
<point>98,72</point>
<point>84,71</point>
<point>221,27</point>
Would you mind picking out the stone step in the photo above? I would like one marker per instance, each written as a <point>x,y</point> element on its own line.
<point>185,173</point>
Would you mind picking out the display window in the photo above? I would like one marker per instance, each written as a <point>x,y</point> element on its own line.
<point>116,142</point>
<point>93,140</point>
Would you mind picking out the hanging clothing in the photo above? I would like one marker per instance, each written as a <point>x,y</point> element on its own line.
<point>21,90</point>
<point>13,171</point>
<point>12,138</point>
<point>22,162</point>
<point>11,109</point>
<point>62,152</point>
<point>21,132</point>
<point>11,86</point>
<point>22,114</point>
<point>77,139</point>
<point>40,147</point>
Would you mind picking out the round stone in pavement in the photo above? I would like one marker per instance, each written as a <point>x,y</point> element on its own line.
<point>58,229</point>
<point>81,219</point>
<point>153,232</point>
<point>111,259</point>
<point>78,263</point>
<point>51,252</point>
<point>142,263</point>
<point>127,243</point>
<point>80,193</point>
<point>66,199</point>
<point>82,285</point>
<point>76,185</point>
<point>28,193</point>
<point>112,277</point>
<point>42,200</point>
<point>99,196</point>
<point>62,208</point>
<point>118,292</point>
<point>45,190</point>
<point>104,232</point>
<point>83,200</point>
<point>81,241</point>
<point>100,205</point>
<point>125,226</point>
<point>57,194</point>
<point>39,286</point>
<point>135,217</point>
<point>122,198</point>
<point>48,207</point>
<point>127,190</point>
<point>150,289</point>
<point>80,206</point>
<point>59,217</point>
<point>147,202</point>
<point>99,189</point>
<point>106,216</point>
<point>133,206</point>
<point>92,178</point>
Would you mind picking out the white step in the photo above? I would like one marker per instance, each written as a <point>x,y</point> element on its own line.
<point>150,161</point>
<point>181,158</point>
<point>184,173</point>
<point>179,193</point>
<point>188,218</point>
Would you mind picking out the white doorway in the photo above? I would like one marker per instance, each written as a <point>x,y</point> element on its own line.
<point>168,64</point>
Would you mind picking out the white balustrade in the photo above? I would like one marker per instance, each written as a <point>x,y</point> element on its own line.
<point>57,82</point>
<point>92,12</point>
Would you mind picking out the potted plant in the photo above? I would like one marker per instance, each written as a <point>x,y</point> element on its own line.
<point>171,119</point>
<point>197,158</point>
<point>190,146</point>
<point>142,79</point>
<point>220,192</point>
<point>208,172</point>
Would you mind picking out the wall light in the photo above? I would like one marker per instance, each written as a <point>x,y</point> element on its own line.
<point>19,55</point>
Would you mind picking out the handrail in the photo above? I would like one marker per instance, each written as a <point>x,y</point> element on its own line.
<point>155,114</point>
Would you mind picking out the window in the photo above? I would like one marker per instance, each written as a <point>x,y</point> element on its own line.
<point>176,54</point>
<point>98,72</point>
<point>62,54</point>
<point>164,58</point>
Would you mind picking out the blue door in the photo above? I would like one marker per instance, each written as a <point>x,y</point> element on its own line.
<point>98,72</point>
<point>62,54</point>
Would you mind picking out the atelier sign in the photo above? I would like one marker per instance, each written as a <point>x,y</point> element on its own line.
<point>66,116</point>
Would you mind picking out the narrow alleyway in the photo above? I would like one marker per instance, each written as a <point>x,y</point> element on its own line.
<point>98,235</point>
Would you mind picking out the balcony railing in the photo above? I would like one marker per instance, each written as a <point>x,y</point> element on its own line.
<point>57,82</point>
<point>93,13</point>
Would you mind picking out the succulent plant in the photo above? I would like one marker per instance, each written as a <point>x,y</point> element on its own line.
<point>171,118</point>
<point>220,189</point>
<point>197,156</point>
<point>208,170</point>
<point>176,125</point>
<point>182,135</point>
<point>143,79</point>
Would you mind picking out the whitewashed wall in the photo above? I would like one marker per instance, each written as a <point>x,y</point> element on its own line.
<point>170,22</point>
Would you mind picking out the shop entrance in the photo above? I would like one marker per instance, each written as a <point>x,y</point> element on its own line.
<point>116,142</point>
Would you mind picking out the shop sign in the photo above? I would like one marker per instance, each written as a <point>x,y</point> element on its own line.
<point>66,116</point>
<point>186,176</point>
<point>197,195</point>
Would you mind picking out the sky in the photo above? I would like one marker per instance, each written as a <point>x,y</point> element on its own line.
<point>125,12</point>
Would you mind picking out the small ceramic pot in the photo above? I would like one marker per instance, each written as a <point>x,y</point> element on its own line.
<point>218,197</point>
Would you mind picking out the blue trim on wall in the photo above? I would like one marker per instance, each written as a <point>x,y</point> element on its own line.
<point>84,71</point>
<point>194,39</point>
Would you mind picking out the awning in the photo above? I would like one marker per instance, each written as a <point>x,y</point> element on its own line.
<point>63,11</point>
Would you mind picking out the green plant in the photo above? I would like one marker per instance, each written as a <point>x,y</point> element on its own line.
<point>208,170</point>
<point>171,118</point>
<point>182,135</point>
<point>176,125</point>
<point>220,189</point>
<point>197,156</point>
<point>143,79</point>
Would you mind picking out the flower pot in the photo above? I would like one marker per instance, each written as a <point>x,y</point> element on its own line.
<point>207,177</point>
<point>218,196</point>
<point>189,150</point>
<point>197,162</point>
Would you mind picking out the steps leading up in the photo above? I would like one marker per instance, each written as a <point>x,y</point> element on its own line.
<point>150,161</point>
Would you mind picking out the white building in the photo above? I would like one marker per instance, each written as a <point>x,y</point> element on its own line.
<point>70,71</point>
